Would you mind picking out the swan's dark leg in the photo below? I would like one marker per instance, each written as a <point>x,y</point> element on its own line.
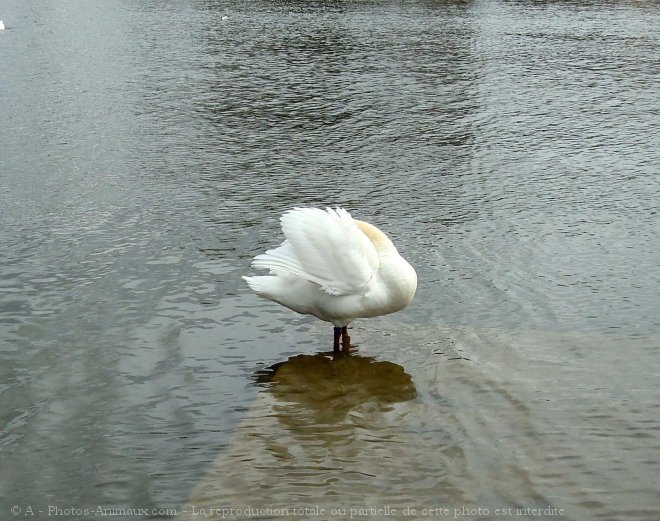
<point>345,339</point>
<point>338,332</point>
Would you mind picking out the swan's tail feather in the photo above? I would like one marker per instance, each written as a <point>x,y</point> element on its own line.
<point>253,283</point>
<point>273,288</point>
<point>264,285</point>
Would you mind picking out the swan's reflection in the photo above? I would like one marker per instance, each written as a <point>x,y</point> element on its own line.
<point>323,388</point>
<point>324,427</point>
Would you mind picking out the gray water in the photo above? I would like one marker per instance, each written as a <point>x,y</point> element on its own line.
<point>510,149</point>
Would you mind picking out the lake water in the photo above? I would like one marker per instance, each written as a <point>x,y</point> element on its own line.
<point>511,151</point>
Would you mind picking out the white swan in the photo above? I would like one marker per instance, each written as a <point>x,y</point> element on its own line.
<point>2,25</point>
<point>335,268</point>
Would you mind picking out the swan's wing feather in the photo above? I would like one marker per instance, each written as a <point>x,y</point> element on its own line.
<point>331,249</point>
<point>324,247</point>
<point>281,261</point>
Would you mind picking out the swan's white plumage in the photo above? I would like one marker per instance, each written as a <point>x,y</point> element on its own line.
<point>334,267</point>
<point>329,249</point>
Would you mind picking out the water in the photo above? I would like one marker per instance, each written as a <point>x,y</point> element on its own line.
<point>510,149</point>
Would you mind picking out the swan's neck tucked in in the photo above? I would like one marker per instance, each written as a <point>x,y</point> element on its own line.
<point>378,238</point>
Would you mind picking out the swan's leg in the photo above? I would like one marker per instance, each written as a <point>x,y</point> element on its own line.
<point>338,332</point>
<point>345,339</point>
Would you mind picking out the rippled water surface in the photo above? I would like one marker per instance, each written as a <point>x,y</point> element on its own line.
<point>510,149</point>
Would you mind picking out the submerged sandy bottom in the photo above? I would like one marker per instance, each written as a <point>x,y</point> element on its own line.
<point>488,424</point>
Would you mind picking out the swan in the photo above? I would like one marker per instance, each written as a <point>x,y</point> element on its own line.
<point>335,268</point>
<point>2,25</point>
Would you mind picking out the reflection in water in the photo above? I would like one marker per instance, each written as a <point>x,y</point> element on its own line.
<point>327,430</point>
<point>324,388</point>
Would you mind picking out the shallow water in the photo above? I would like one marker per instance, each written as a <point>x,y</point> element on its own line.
<point>509,149</point>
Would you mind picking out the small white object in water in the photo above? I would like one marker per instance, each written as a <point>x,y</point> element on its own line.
<point>223,18</point>
<point>2,25</point>
<point>335,268</point>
